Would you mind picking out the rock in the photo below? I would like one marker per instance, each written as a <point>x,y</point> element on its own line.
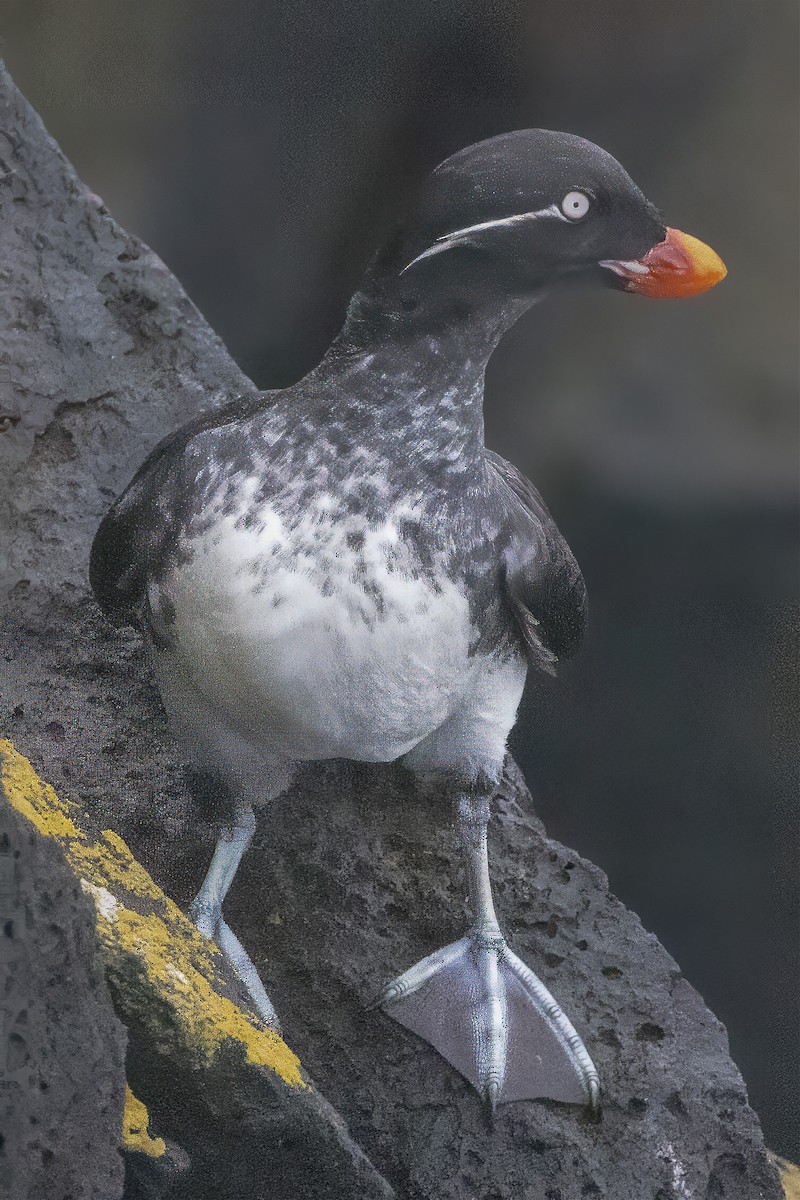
<point>102,351</point>
<point>353,876</point>
<point>234,1093</point>
<point>62,1050</point>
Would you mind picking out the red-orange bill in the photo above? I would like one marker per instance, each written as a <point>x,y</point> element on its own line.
<point>681,265</point>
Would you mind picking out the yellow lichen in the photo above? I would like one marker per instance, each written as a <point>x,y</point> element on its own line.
<point>156,957</point>
<point>167,969</point>
<point>35,800</point>
<point>135,1135</point>
<point>790,1177</point>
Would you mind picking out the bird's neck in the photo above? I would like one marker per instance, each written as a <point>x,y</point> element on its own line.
<point>414,366</point>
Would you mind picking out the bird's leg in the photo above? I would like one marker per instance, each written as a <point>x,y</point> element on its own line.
<point>206,908</point>
<point>483,1009</point>
<point>487,946</point>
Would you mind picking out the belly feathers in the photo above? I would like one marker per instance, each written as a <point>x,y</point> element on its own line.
<point>339,653</point>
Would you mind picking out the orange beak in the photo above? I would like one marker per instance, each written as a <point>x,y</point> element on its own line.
<point>681,265</point>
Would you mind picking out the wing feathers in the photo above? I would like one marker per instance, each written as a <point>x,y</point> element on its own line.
<point>543,582</point>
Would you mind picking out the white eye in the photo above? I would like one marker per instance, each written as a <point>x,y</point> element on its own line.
<point>575,205</point>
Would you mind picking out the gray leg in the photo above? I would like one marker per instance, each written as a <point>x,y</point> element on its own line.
<point>483,1009</point>
<point>487,945</point>
<point>206,908</point>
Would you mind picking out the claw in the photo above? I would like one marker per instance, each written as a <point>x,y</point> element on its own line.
<point>491,1098</point>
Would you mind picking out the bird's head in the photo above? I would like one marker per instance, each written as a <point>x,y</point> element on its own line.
<point>517,213</point>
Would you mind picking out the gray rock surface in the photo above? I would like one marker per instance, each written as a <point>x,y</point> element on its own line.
<point>62,1050</point>
<point>353,876</point>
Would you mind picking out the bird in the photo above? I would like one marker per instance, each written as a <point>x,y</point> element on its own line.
<point>341,569</point>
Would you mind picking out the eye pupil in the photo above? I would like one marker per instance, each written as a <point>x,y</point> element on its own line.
<point>575,205</point>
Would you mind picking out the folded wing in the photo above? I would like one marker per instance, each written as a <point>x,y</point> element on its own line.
<point>543,582</point>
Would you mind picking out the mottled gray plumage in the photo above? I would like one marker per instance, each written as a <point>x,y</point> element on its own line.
<point>473,517</point>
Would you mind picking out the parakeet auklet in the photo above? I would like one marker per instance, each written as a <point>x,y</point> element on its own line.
<point>341,569</point>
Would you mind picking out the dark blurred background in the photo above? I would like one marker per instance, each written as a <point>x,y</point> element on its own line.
<point>263,149</point>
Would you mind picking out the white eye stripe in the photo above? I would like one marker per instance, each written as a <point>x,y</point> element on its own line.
<point>575,205</point>
<point>447,240</point>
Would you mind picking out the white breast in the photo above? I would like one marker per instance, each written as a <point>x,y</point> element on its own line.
<point>312,648</point>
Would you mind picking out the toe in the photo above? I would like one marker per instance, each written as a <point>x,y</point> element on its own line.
<point>415,977</point>
<point>492,1025</point>
<point>242,964</point>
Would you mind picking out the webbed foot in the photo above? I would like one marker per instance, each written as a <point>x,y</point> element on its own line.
<point>495,1022</point>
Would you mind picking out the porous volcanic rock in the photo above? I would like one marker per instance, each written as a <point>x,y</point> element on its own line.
<point>62,1050</point>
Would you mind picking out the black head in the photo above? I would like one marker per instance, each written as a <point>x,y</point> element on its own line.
<point>534,206</point>
<point>506,218</point>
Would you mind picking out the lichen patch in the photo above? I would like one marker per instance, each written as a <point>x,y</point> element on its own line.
<point>161,970</point>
